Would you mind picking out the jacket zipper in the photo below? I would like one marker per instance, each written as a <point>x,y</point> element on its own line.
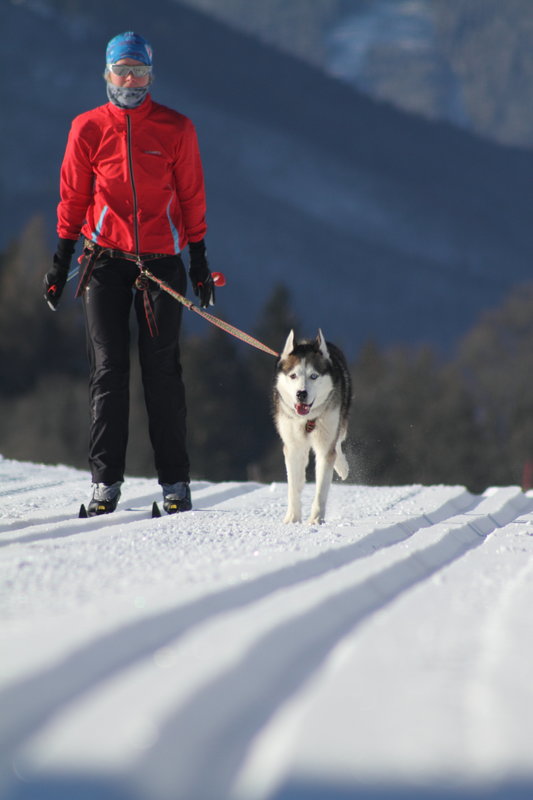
<point>133,189</point>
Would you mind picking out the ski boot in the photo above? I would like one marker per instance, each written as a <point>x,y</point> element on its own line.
<point>104,499</point>
<point>176,497</point>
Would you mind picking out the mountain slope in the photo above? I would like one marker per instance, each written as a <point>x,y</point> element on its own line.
<point>466,62</point>
<point>382,225</point>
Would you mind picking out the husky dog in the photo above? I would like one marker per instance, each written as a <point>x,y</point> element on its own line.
<point>311,401</point>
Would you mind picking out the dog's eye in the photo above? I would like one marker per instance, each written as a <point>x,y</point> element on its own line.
<point>313,376</point>
<point>293,376</point>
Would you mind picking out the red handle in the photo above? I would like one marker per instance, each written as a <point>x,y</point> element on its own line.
<point>219,279</point>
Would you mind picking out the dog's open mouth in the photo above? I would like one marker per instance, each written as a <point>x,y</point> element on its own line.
<point>303,408</point>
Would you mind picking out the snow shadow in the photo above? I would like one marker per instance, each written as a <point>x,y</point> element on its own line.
<point>205,501</point>
<point>138,505</point>
<point>28,704</point>
<point>70,787</point>
<point>233,708</point>
<point>330,791</point>
<point>94,787</point>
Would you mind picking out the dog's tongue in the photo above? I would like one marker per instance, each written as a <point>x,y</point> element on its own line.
<point>302,408</point>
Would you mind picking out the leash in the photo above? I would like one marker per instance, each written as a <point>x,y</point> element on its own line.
<point>86,269</point>
<point>88,259</point>
<point>225,326</point>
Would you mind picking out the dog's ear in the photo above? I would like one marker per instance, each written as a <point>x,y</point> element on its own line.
<point>321,344</point>
<point>289,345</point>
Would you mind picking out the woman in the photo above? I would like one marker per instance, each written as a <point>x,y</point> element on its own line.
<point>132,185</point>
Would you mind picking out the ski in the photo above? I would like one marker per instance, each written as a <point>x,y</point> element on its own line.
<point>82,514</point>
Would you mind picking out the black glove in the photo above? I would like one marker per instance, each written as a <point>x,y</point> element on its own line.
<point>56,278</point>
<point>200,274</point>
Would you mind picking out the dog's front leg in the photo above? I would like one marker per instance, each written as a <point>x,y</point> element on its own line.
<point>324,476</point>
<point>295,464</point>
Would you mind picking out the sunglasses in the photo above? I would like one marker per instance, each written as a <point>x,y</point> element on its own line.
<point>137,70</point>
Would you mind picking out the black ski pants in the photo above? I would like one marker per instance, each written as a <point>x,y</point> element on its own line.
<point>107,303</point>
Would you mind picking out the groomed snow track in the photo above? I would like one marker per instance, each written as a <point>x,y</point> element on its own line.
<point>224,656</point>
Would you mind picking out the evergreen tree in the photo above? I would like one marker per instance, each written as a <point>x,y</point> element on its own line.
<point>42,357</point>
<point>413,420</point>
<point>371,433</point>
<point>221,413</point>
<point>496,361</point>
<point>48,424</point>
<point>22,325</point>
<point>33,340</point>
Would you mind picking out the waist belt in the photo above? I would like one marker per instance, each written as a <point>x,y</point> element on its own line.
<point>111,253</point>
<point>92,252</point>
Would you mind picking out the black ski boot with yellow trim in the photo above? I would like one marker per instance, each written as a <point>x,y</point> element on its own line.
<point>176,497</point>
<point>105,498</point>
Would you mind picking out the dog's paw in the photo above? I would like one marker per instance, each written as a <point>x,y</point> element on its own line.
<point>317,515</point>
<point>292,516</point>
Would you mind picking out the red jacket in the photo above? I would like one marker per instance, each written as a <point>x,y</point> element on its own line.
<point>132,180</point>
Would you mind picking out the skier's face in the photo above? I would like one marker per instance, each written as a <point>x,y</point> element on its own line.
<point>129,79</point>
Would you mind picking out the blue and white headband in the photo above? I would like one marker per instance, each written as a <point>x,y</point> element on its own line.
<point>128,45</point>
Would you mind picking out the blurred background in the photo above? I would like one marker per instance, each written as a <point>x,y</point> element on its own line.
<point>369,171</point>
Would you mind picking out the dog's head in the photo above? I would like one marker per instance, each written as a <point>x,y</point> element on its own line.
<point>304,378</point>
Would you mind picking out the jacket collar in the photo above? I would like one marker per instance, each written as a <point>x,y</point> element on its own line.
<point>135,113</point>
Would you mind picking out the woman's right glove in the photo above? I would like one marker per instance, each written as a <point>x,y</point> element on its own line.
<point>200,274</point>
<point>56,278</point>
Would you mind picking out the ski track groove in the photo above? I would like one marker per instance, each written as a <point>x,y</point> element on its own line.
<point>39,697</point>
<point>32,487</point>
<point>497,633</point>
<point>203,502</point>
<point>301,644</point>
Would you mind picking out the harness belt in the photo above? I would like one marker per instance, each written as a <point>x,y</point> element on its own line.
<point>92,252</point>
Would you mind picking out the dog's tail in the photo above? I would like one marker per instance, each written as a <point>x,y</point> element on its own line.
<point>341,465</point>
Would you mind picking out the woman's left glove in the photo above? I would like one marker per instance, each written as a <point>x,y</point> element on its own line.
<point>56,278</point>
<point>200,274</point>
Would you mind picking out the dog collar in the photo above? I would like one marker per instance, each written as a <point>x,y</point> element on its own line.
<point>310,425</point>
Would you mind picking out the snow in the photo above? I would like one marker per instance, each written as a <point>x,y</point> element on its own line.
<point>223,655</point>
